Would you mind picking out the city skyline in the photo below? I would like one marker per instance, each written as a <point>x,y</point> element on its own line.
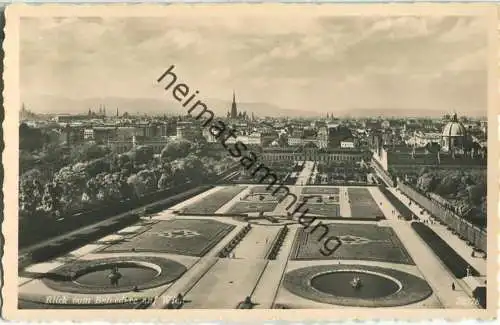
<point>407,63</point>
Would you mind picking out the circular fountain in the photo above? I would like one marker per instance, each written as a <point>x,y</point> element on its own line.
<point>114,275</point>
<point>356,285</point>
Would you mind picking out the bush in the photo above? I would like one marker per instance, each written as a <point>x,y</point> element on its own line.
<point>454,262</point>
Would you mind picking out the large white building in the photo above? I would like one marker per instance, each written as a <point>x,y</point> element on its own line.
<point>421,139</point>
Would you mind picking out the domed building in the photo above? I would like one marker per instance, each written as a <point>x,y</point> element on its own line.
<point>454,135</point>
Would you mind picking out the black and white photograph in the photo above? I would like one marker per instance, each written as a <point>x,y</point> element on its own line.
<point>290,157</point>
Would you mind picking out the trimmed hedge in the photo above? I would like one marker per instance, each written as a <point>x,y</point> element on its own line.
<point>280,238</point>
<point>75,241</point>
<point>403,210</point>
<point>235,241</point>
<point>35,230</point>
<point>454,262</point>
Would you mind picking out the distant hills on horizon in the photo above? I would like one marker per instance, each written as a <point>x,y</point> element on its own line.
<point>151,106</point>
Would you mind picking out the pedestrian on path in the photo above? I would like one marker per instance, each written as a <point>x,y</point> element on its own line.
<point>453,286</point>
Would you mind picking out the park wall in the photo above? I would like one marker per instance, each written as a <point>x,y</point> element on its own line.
<point>473,234</point>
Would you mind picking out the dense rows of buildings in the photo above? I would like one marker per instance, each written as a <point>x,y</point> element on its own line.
<point>395,144</point>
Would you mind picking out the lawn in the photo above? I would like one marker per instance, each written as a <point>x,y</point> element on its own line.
<point>213,202</point>
<point>362,204</point>
<point>321,190</point>
<point>193,237</point>
<point>357,242</point>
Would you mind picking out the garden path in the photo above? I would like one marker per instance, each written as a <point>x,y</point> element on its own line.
<point>434,271</point>
<point>456,243</point>
<point>305,173</point>
<point>256,244</point>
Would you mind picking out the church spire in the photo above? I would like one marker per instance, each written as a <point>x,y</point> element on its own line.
<point>234,110</point>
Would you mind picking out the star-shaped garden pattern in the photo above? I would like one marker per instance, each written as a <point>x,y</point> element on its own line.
<point>178,233</point>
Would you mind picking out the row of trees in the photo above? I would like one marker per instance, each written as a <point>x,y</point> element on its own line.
<point>97,176</point>
<point>464,189</point>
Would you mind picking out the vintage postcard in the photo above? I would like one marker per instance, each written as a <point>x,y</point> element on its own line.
<point>303,162</point>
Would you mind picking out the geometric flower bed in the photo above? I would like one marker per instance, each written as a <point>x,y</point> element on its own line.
<point>262,197</point>
<point>213,202</point>
<point>321,190</point>
<point>380,287</point>
<point>322,209</point>
<point>357,242</point>
<point>90,277</point>
<point>454,262</point>
<point>362,204</point>
<point>261,189</point>
<point>249,207</point>
<point>193,237</point>
<point>319,198</point>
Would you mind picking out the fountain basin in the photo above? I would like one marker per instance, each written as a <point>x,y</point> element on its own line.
<point>340,283</point>
<point>92,276</point>
<point>379,286</point>
<point>132,273</point>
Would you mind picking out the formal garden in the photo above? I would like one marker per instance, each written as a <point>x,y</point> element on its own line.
<point>355,242</point>
<point>191,237</point>
<point>340,172</point>
<point>320,199</point>
<point>252,207</point>
<point>320,209</point>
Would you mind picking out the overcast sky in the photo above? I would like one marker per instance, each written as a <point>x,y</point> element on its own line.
<point>319,63</point>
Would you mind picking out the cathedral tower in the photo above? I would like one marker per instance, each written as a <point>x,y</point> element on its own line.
<point>234,110</point>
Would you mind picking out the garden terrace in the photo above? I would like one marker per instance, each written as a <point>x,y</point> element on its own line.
<point>191,237</point>
<point>362,203</point>
<point>454,262</point>
<point>352,242</point>
<point>213,202</point>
